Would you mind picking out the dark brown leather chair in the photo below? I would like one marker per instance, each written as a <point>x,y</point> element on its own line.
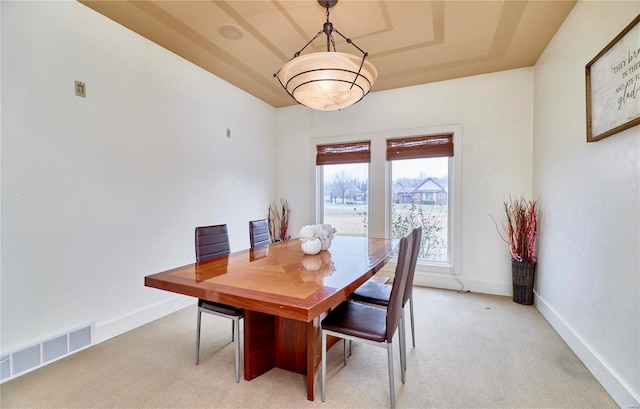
<point>378,294</point>
<point>213,241</point>
<point>259,233</point>
<point>372,325</point>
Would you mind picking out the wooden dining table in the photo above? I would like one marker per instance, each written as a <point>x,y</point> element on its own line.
<point>284,292</point>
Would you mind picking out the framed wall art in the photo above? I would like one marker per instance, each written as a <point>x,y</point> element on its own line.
<point>613,85</point>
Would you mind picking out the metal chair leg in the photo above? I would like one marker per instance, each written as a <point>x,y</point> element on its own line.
<point>236,327</point>
<point>392,389</point>
<point>413,331</point>
<point>323,365</point>
<point>344,344</point>
<point>402,343</point>
<point>198,338</point>
<point>232,330</point>
<point>402,335</point>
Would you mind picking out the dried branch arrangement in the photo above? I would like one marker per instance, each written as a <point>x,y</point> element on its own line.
<point>279,221</point>
<point>520,229</point>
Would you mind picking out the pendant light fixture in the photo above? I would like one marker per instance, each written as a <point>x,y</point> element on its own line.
<point>327,80</point>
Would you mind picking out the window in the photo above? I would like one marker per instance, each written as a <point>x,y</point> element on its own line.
<point>391,172</point>
<point>420,191</point>
<point>344,171</point>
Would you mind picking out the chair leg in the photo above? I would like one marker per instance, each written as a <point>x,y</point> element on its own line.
<point>236,321</point>
<point>413,331</point>
<point>392,389</point>
<point>198,338</point>
<point>233,330</point>
<point>402,335</point>
<point>344,344</point>
<point>323,365</point>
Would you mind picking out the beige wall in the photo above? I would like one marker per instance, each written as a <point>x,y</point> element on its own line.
<point>588,283</point>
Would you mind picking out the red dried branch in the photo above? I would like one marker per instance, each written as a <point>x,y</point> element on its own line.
<point>520,229</point>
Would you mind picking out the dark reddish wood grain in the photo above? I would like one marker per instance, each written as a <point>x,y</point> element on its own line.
<point>284,293</point>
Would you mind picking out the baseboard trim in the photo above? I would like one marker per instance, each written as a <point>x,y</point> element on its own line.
<point>135,319</point>
<point>449,281</point>
<point>621,392</point>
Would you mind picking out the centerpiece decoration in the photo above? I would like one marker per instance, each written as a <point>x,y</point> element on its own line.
<point>316,237</point>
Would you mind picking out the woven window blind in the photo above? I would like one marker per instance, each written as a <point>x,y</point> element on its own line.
<point>341,153</point>
<point>428,146</point>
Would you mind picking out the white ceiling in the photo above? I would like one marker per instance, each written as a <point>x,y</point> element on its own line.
<point>409,42</point>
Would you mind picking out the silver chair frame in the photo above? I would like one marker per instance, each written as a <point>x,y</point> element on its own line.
<point>235,336</point>
<point>383,344</point>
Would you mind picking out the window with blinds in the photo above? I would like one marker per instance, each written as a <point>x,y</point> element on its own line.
<point>345,190</point>
<point>420,191</point>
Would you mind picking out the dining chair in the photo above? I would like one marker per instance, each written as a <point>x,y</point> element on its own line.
<point>371,325</point>
<point>259,233</point>
<point>213,241</point>
<point>378,294</point>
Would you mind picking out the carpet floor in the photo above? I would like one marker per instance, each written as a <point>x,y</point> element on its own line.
<point>472,351</point>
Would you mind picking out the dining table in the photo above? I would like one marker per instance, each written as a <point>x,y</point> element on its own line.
<point>284,293</point>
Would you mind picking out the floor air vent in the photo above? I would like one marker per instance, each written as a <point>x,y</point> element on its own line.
<point>27,359</point>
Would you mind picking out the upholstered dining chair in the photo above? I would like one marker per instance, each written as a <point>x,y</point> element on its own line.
<point>213,241</point>
<point>378,294</point>
<point>372,325</point>
<point>259,233</point>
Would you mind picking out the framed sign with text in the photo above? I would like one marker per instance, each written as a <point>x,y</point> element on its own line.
<point>613,85</point>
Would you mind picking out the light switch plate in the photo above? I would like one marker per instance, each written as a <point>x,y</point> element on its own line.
<point>80,89</point>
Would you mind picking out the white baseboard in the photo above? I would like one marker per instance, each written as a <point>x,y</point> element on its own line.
<point>621,392</point>
<point>122,324</point>
<point>448,281</point>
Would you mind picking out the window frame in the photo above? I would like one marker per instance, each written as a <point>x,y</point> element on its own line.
<point>380,193</point>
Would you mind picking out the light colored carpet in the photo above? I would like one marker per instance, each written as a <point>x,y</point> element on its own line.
<point>472,351</point>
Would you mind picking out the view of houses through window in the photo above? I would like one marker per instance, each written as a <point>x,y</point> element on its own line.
<point>419,196</point>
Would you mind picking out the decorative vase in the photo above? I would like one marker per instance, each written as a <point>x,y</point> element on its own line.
<point>523,274</point>
<point>326,243</point>
<point>312,246</point>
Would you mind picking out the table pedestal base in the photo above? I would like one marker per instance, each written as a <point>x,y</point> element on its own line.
<point>276,342</point>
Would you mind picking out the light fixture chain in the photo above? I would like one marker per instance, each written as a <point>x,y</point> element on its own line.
<point>348,40</point>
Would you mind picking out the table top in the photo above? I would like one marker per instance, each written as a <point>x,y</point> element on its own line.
<point>280,279</point>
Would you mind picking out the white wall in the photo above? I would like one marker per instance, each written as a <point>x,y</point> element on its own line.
<point>588,271</point>
<point>98,192</point>
<point>109,188</point>
<point>495,114</point>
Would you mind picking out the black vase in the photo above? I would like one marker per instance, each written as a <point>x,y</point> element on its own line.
<point>523,274</point>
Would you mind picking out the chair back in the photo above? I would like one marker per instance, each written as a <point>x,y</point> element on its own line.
<point>211,241</point>
<point>415,251</point>
<point>394,308</point>
<point>259,233</point>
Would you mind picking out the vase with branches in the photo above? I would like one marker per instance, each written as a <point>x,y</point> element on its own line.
<point>519,231</point>
<point>278,220</point>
